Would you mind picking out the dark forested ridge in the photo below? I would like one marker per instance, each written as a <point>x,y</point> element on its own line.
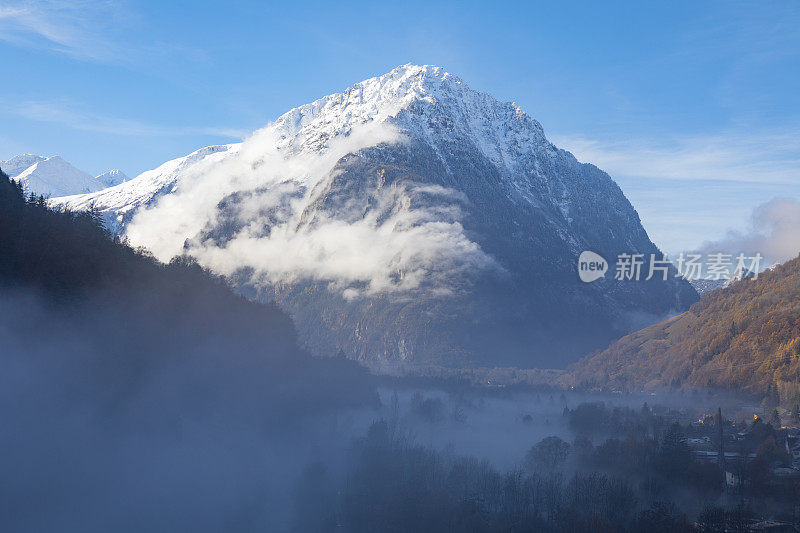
<point>68,257</point>
<point>744,337</point>
<point>122,302</point>
<point>138,396</point>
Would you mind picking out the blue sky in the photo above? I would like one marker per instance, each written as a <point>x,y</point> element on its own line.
<point>691,106</point>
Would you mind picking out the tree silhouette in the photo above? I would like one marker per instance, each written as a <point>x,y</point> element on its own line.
<point>673,456</point>
<point>547,454</point>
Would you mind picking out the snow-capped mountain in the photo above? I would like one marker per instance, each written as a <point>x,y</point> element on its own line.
<point>408,219</point>
<point>119,203</point>
<point>111,178</point>
<point>19,163</point>
<point>53,176</point>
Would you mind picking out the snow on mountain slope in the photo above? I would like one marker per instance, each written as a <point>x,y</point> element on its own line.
<point>16,165</point>
<point>406,219</point>
<point>111,178</point>
<point>501,131</point>
<point>55,177</point>
<point>119,203</point>
<point>52,176</point>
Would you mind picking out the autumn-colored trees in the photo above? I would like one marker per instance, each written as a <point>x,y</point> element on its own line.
<point>744,337</point>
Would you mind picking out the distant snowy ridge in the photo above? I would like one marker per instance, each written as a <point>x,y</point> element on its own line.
<point>704,285</point>
<point>111,178</point>
<point>53,176</point>
<point>121,201</point>
<point>19,163</point>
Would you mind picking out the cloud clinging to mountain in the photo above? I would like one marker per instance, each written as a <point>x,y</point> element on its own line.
<point>267,201</point>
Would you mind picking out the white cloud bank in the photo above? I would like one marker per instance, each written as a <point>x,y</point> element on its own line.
<point>408,237</point>
<point>774,233</point>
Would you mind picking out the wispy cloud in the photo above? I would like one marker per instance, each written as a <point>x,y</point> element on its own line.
<point>757,158</point>
<point>78,28</point>
<point>103,31</point>
<point>77,117</point>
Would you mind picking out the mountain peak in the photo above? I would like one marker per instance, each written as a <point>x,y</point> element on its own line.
<point>429,77</point>
<point>421,101</point>
<point>54,176</point>
<point>111,178</point>
<point>374,99</point>
<point>19,163</point>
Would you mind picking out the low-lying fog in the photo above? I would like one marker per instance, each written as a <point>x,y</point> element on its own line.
<point>502,426</point>
<point>210,440</point>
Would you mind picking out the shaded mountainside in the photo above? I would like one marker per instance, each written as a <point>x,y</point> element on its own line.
<point>533,313</point>
<point>406,221</point>
<point>745,336</point>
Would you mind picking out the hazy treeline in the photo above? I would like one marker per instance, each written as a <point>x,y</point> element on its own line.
<point>139,396</point>
<point>625,470</point>
<point>653,450</point>
<point>393,484</point>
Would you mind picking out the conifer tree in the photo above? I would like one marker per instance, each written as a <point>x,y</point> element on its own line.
<point>776,419</point>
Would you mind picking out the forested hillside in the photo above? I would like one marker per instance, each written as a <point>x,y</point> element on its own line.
<point>745,337</point>
<point>126,383</point>
<point>137,311</point>
<point>71,261</point>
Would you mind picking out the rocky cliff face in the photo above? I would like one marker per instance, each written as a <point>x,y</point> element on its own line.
<point>408,220</point>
